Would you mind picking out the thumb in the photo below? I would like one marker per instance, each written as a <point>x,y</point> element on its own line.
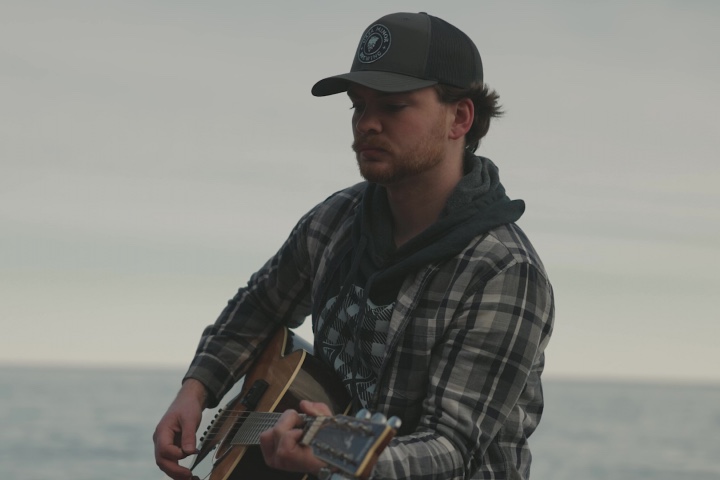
<point>187,440</point>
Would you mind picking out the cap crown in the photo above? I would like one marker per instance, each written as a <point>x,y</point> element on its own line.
<point>421,46</point>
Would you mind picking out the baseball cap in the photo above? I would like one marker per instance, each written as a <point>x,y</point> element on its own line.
<point>401,52</point>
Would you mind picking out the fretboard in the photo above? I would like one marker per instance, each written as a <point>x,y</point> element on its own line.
<point>256,423</point>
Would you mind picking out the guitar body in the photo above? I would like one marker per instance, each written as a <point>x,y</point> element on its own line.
<point>285,373</point>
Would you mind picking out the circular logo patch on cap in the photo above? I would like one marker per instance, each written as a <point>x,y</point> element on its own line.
<point>374,44</point>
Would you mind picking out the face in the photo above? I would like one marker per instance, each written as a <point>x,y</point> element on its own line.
<point>398,136</point>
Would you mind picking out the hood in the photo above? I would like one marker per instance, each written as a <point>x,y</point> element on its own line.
<point>477,204</point>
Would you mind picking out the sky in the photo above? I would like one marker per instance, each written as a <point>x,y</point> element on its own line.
<point>154,154</point>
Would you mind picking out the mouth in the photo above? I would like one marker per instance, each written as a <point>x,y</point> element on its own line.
<point>368,148</point>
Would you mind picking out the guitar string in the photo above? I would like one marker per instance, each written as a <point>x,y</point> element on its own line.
<point>254,423</point>
<point>261,421</point>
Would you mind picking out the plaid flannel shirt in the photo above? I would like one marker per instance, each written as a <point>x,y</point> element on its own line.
<point>464,353</point>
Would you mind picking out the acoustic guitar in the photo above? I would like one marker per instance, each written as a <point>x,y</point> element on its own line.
<point>285,373</point>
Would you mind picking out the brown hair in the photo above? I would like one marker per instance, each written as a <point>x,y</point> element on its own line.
<point>486,104</point>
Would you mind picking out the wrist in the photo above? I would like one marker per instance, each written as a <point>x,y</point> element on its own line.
<point>194,389</point>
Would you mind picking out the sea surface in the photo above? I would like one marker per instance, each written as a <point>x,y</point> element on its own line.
<point>97,424</point>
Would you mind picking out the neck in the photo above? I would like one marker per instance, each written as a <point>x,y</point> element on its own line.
<point>416,203</point>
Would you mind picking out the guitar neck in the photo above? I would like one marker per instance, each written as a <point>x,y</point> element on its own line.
<point>348,443</point>
<point>254,424</point>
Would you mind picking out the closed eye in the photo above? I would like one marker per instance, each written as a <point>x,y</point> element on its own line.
<point>394,107</point>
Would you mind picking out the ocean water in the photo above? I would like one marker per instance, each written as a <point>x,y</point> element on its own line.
<point>93,424</point>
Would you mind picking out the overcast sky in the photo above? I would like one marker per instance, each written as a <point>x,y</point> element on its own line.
<point>155,153</point>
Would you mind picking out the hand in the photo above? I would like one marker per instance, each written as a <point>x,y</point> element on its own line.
<point>280,445</point>
<point>174,435</point>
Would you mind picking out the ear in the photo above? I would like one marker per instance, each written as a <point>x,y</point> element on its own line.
<point>464,115</point>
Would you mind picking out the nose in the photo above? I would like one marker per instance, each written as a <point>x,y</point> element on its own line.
<point>367,121</point>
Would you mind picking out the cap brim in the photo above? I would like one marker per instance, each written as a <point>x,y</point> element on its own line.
<point>381,81</point>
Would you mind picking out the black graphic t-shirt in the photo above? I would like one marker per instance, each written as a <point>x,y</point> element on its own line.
<point>355,351</point>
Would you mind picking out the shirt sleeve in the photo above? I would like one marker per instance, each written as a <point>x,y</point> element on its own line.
<point>489,361</point>
<point>276,295</point>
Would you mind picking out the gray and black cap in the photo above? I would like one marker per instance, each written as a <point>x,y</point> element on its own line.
<point>401,52</point>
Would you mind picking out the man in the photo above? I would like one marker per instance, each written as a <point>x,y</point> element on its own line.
<point>426,298</point>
